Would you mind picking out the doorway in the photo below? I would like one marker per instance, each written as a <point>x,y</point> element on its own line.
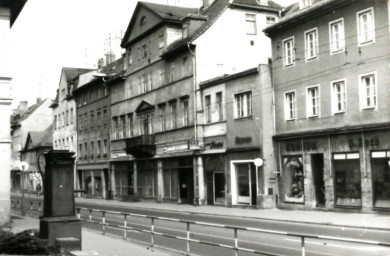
<point>246,183</point>
<point>317,165</point>
<point>186,181</point>
<point>219,187</point>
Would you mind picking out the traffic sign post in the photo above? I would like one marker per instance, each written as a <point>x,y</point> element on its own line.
<point>24,167</point>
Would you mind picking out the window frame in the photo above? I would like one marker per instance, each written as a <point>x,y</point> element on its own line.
<point>363,92</point>
<point>284,42</point>
<point>249,113</point>
<point>219,105</point>
<point>341,48</point>
<point>251,22</point>
<point>308,44</point>
<point>359,35</point>
<point>287,109</point>
<point>309,98</point>
<point>334,99</point>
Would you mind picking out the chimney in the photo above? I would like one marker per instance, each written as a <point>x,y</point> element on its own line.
<point>263,2</point>
<point>207,3</point>
<point>100,63</point>
<point>39,100</point>
<point>23,106</point>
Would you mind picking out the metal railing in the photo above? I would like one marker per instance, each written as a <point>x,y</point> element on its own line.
<point>36,207</point>
<point>125,227</point>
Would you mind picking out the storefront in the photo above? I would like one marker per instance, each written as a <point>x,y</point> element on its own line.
<point>94,181</point>
<point>335,171</point>
<point>123,180</point>
<point>214,167</point>
<point>147,178</point>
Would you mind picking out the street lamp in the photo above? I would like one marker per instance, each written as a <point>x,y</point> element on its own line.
<point>24,167</point>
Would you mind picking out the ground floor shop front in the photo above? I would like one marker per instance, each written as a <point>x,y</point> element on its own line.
<point>94,180</point>
<point>214,178</point>
<point>335,171</point>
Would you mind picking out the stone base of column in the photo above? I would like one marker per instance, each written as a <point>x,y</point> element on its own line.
<point>52,228</point>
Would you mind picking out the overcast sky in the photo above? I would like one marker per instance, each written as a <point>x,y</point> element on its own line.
<point>51,34</point>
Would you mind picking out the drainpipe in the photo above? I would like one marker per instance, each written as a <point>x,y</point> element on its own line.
<point>194,87</point>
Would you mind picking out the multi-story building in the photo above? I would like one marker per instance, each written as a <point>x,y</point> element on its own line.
<point>331,80</point>
<point>36,144</point>
<point>23,120</point>
<point>157,115</point>
<point>9,11</point>
<point>93,126</point>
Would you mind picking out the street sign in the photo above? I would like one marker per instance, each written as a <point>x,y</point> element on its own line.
<point>23,166</point>
<point>258,162</point>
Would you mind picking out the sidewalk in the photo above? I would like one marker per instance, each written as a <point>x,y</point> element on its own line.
<point>94,243</point>
<point>380,221</point>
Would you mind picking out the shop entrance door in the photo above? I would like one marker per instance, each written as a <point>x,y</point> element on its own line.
<point>246,183</point>
<point>186,183</point>
<point>219,187</point>
<point>317,165</point>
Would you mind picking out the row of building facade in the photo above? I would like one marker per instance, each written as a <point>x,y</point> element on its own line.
<point>237,103</point>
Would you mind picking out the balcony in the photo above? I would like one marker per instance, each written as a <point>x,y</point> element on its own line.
<point>141,146</point>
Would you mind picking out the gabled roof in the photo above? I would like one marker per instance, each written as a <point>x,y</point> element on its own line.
<point>214,11</point>
<point>167,13</point>
<point>144,106</point>
<point>16,7</point>
<point>39,139</point>
<point>22,116</point>
<point>71,73</point>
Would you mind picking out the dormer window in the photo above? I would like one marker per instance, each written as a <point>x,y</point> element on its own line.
<point>142,21</point>
<point>304,4</point>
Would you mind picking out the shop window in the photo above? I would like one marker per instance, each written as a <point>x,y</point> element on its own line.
<point>347,179</point>
<point>170,183</point>
<point>293,180</point>
<point>124,179</point>
<point>147,180</point>
<point>380,166</point>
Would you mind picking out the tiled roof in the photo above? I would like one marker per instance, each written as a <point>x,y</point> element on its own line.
<point>292,14</point>
<point>169,12</point>
<point>41,138</point>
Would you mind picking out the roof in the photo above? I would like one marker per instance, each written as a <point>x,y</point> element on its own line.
<point>22,116</point>
<point>213,12</point>
<point>109,72</point>
<point>16,7</point>
<point>168,13</point>
<point>40,139</point>
<point>71,73</point>
<point>292,15</point>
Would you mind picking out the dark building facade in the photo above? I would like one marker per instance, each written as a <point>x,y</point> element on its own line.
<point>331,79</point>
<point>93,129</point>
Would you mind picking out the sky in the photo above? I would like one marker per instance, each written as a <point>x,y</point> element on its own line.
<point>51,34</point>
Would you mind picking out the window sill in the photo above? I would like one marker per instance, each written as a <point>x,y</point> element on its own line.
<point>339,113</point>
<point>312,58</point>
<point>289,65</point>
<point>369,108</point>
<point>313,117</point>
<point>361,44</point>
<point>243,118</point>
<point>334,52</point>
<point>290,120</point>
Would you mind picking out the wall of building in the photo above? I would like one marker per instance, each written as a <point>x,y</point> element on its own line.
<point>226,48</point>
<point>329,67</point>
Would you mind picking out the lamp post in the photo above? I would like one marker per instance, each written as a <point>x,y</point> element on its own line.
<point>24,167</point>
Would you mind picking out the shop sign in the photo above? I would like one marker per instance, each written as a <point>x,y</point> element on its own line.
<point>214,145</point>
<point>175,148</point>
<point>358,142</point>
<point>118,155</point>
<point>243,140</point>
<point>310,145</point>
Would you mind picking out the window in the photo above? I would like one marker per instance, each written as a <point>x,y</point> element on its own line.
<point>142,21</point>
<point>172,72</point>
<point>219,108</point>
<point>98,118</point>
<point>105,149</point>
<point>146,124</point>
<point>92,121</point>
<point>207,102</point>
<point>313,101</point>
<point>63,120</point>
<point>368,90</point>
<point>130,57</point>
<point>173,114</point>
<point>105,117</point>
<point>161,76</point>
<point>86,150</point>
<point>270,19</point>
<point>339,101</point>
<point>243,104</point>
<point>71,116</point>
<point>161,42</point>
<point>80,151</point>
<point>290,106</point>
<point>186,116</point>
<point>123,132</point>
<point>337,37</point>
<point>92,149</point>
<point>115,127</point>
<point>347,179</point>
<point>80,122</point>
<point>311,42</point>
<point>144,51</point>
<point>161,116</point>
<point>55,122</point>
<point>381,178</point>
<point>130,118</point>
<point>98,147</point>
<point>288,46</point>
<point>150,82</point>
<point>366,27</point>
<point>250,24</point>
<point>86,124</point>
<point>184,66</point>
